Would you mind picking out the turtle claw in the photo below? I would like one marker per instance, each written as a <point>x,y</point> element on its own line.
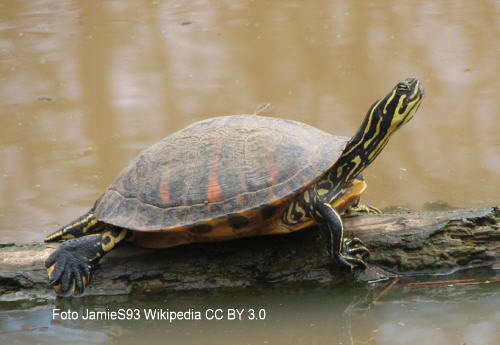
<point>70,266</point>
<point>362,209</point>
<point>356,247</point>
<point>353,254</point>
<point>351,263</point>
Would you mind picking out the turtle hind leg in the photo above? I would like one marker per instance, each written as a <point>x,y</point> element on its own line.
<point>70,266</point>
<point>349,253</point>
<point>358,208</point>
<point>85,225</point>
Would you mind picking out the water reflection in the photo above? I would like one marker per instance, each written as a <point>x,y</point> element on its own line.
<point>340,315</point>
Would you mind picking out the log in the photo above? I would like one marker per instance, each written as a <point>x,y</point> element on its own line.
<point>400,244</point>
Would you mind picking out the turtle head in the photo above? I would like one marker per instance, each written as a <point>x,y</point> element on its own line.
<point>398,107</point>
<point>384,117</point>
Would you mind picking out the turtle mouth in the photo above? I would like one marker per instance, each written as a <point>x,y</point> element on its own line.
<point>416,88</point>
<point>411,97</point>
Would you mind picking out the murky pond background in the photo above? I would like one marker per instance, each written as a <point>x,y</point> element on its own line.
<point>85,85</point>
<point>446,315</point>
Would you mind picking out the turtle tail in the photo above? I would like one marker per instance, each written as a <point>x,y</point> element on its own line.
<point>85,225</point>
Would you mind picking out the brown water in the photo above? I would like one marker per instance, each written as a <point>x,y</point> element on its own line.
<point>448,315</point>
<point>85,85</point>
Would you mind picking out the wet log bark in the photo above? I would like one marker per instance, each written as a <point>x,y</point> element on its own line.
<point>399,243</point>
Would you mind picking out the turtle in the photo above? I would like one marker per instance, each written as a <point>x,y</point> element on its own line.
<point>231,177</point>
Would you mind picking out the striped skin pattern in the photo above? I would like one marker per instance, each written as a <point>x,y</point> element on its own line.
<point>230,177</point>
<point>85,225</point>
<point>383,118</point>
<point>234,176</point>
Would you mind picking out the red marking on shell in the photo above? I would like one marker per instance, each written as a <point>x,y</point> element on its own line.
<point>273,169</point>
<point>214,193</point>
<point>274,174</point>
<point>241,200</point>
<point>164,193</point>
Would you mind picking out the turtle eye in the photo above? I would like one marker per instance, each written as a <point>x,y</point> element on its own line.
<point>402,88</point>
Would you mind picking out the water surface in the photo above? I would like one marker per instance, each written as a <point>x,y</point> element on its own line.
<point>346,314</point>
<point>84,86</point>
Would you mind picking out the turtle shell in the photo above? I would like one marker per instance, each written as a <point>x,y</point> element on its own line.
<point>217,167</point>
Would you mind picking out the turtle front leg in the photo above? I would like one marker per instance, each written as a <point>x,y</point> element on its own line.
<point>70,267</point>
<point>350,253</point>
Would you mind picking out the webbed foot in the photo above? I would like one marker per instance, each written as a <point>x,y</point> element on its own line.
<point>70,266</point>
<point>353,254</point>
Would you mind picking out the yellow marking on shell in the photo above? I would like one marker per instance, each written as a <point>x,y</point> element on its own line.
<point>73,288</point>
<point>57,287</point>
